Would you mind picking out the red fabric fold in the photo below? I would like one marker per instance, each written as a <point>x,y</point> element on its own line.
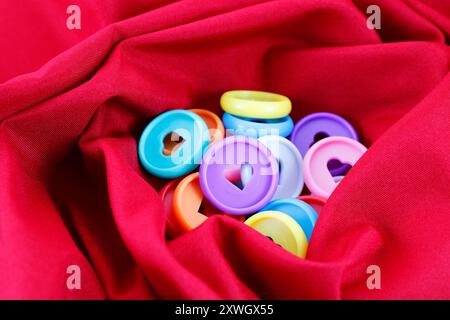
<point>73,192</point>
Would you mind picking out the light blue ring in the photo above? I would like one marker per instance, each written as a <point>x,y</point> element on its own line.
<point>299,210</point>
<point>256,128</point>
<point>187,157</point>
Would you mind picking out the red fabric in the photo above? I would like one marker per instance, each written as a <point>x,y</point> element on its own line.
<point>73,193</point>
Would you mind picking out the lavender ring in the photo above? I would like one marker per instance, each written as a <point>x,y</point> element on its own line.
<point>317,126</point>
<point>220,175</point>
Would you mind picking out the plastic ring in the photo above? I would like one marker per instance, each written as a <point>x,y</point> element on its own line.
<point>213,122</point>
<point>282,229</point>
<point>255,104</point>
<point>298,210</point>
<point>185,156</point>
<point>290,182</point>
<point>256,128</point>
<point>220,174</point>
<point>187,199</point>
<point>316,202</point>
<point>320,125</point>
<point>317,176</point>
<point>166,195</point>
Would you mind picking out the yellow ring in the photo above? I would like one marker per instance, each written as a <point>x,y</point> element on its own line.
<point>255,104</point>
<point>282,229</point>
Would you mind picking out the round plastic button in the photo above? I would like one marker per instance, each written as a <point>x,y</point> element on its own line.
<point>290,182</point>
<point>315,202</point>
<point>256,128</point>
<point>187,199</point>
<point>255,104</point>
<point>317,177</point>
<point>213,122</point>
<point>182,157</point>
<point>298,210</point>
<point>317,126</point>
<point>220,175</point>
<point>281,229</point>
<point>166,195</point>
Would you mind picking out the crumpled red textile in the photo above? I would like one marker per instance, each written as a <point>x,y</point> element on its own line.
<point>74,102</point>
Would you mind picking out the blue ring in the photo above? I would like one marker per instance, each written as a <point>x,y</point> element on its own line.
<point>299,210</point>
<point>256,128</point>
<point>183,160</point>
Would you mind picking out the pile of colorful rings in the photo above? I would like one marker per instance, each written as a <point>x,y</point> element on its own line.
<point>253,165</point>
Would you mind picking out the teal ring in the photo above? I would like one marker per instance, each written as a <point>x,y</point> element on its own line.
<point>185,158</point>
<point>300,211</point>
<point>256,128</point>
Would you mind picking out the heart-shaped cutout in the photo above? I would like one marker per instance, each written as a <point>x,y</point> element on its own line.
<point>319,136</point>
<point>207,209</point>
<point>239,175</point>
<point>338,168</point>
<point>172,142</point>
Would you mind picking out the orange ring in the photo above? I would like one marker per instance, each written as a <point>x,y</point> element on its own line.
<point>187,199</point>
<point>316,202</point>
<point>166,195</point>
<point>213,122</point>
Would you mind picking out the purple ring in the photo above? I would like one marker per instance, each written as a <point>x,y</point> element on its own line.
<point>225,159</point>
<point>320,125</point>
<point>330,124</point>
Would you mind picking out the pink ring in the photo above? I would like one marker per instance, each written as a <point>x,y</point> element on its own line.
<point>317,177</point>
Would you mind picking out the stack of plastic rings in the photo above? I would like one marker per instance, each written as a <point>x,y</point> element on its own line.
<point>255,171</point>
